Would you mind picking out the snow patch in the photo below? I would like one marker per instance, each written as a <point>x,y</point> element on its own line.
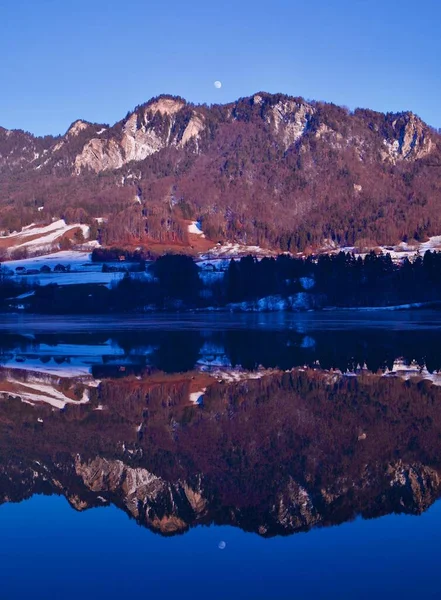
<point>197,397</point>
<point>195,228</point>
<point>235,250</point>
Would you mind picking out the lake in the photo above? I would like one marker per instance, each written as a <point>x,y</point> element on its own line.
<point>242,456</point>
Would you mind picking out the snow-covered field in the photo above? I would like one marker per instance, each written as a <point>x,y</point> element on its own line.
<point>65,257</point>
<point>397,253</point>
<point>38,389</point>
<point>409,371</point>
<point>230,250</point>
<point>79,265</point>
<point>237,374</point>
<point>51,366</point>
<point>36,240</point>
<point>74,278</point>
<point>62,360</point>
<point>399,369</point>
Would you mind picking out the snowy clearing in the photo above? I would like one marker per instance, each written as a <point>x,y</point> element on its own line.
<point>397,252</point>
<point>195,228</point>
<point>237,374</point>
<point>79,270</point>
<point>61,360</point>
<point>197,397</point>
<point>51,367</point>
<point>230,250</point>
<point>36,239</point>
<point>409,371</point>
<point>66,257</point>
<point>75,278</point>
<point>36,392</point>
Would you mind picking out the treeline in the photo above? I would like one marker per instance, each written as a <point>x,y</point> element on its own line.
<point>342,280</point>
<point>175,282</point>
<point>104,255</point>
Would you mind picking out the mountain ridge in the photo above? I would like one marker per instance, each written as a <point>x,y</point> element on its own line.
<point>203,105</point>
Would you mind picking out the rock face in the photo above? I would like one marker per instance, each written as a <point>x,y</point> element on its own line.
<point>77,127</point>
<point>289,118</point>
<point>409,139</point>
<point>146,131</point>
<point>414,484</point>
<point>100,155</point>
<point>20,150</point>
<point>171,122</point>
<point>152,501</point>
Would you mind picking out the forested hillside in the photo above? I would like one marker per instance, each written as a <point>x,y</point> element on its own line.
<point>269,170</point>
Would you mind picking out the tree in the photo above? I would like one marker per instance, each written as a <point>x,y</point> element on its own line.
<point>178,277</point>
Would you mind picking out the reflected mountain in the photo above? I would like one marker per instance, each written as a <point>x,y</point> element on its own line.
<point>274,435</point>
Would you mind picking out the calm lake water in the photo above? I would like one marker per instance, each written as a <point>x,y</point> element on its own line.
<point>239,456</point>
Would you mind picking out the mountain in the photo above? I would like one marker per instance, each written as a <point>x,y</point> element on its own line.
<point>270,170</point>
<point>274,455</point>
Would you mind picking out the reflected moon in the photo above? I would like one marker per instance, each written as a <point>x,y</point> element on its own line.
<point>222,545</point>
<point>218,84</point>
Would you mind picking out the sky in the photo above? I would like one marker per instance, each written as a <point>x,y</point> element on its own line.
<point>96,60</point>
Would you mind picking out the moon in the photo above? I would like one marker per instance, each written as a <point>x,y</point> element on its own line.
<point>218,85</point>
<point>222,545</point>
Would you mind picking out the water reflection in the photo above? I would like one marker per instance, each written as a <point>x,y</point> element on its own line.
<point>100,351</point>
<point>274,432</point>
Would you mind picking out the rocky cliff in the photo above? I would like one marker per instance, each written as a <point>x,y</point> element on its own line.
<point>172,122</point>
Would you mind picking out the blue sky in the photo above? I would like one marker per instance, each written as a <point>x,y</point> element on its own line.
<point>96,59</point>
